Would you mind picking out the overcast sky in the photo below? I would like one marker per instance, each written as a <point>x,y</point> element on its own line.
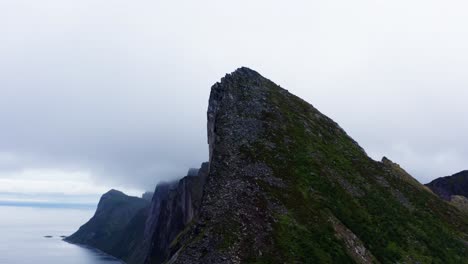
<point>99,94</point>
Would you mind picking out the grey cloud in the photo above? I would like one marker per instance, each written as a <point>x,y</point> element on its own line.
<point>121,89</point>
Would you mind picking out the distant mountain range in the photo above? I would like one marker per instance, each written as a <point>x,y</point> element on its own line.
<point>284,184</point>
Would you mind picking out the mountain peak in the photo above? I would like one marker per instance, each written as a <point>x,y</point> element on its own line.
<point>284,178</point>
<point>113,194</point>
<point>245,72</point>
<point>241,78</point>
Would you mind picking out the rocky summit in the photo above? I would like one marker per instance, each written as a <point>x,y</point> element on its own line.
<point>286,184</point>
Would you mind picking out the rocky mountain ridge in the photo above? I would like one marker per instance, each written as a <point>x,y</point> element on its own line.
<point>286,184</point>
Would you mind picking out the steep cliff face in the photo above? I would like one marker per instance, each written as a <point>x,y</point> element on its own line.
<point>119,220</point>
<point>137,231</point>
<point>139,253</point>
<point>173,211</point>
<point>287,185</point>
<point>446,187</point>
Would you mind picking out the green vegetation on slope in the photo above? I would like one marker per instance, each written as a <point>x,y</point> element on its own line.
<point>329,174</point>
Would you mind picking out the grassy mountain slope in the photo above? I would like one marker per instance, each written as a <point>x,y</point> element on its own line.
<point>288,185</point>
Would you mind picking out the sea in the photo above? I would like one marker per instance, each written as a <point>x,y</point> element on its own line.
<point>33,234</point>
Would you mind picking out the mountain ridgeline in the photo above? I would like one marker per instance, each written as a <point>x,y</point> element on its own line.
<point>284,184</point>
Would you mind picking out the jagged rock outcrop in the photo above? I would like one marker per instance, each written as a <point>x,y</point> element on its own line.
<point>287,185</point>
<point>117,226</point>
<point>398,171</point>
<point>446,187</point>
<point>461,202</point>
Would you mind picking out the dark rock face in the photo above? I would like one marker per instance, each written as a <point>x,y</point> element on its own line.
<point>287,185</point>
<point>172,211</point>
<point>137,230</point>
<point>446,187</point>
<point>130,246</point>
<point>150,223</point>
<point>118,221</point>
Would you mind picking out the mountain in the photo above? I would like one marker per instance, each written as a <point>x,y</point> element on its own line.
<point>117,226</point>
<point>453,189</point>
<point>135,229</point>
<point>446,187</point>
<point>286,184</point>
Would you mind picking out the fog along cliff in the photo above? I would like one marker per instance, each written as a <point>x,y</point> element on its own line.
<point>286,184</point>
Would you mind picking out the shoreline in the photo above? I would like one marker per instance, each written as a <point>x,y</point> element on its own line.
<point>88,247</point>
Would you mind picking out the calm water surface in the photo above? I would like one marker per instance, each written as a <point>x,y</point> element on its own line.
<point>22,241</point>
